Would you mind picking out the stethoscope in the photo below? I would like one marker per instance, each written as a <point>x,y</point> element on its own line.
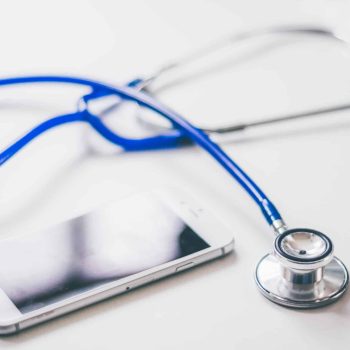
<point>301,271</point>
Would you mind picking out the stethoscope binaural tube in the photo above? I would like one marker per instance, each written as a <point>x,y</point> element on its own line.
<point>147,83</point>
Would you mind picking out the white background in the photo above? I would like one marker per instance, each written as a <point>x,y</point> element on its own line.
<point>303,166</point>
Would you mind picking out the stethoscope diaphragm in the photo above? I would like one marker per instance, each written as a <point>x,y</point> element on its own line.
<point>302,272</point>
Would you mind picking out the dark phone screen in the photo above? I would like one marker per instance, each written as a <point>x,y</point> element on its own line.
<point>117,241</point>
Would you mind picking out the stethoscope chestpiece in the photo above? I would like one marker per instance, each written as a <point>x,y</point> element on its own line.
<point>302,271</point>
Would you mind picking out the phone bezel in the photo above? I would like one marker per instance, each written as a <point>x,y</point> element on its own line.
<point>205,224</point>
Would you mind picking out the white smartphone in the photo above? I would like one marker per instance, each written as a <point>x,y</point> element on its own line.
<point>109,251</point>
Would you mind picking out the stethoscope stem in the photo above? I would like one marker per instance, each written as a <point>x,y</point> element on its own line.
<point>279,226</point>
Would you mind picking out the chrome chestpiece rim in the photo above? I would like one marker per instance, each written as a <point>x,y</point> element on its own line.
<point>302,271</point>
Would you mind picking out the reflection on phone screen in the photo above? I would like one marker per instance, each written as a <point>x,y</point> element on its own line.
<point>119,240</point>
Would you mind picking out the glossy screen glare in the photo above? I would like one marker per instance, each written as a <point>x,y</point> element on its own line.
<point>114,242</point>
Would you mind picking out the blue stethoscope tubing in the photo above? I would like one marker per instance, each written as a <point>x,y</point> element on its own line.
<point>182,131</point>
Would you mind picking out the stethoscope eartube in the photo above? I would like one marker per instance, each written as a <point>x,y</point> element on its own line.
<point>302,271</point>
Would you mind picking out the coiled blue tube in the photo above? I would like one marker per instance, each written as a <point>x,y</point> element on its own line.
<point>183,130</point>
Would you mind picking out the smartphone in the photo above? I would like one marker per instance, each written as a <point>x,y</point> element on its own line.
<point>106,252</point>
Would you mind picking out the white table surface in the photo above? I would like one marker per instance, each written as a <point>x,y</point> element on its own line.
<point>303,166</point>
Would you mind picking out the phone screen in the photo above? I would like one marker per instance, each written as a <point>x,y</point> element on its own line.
<point>116,241</point>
